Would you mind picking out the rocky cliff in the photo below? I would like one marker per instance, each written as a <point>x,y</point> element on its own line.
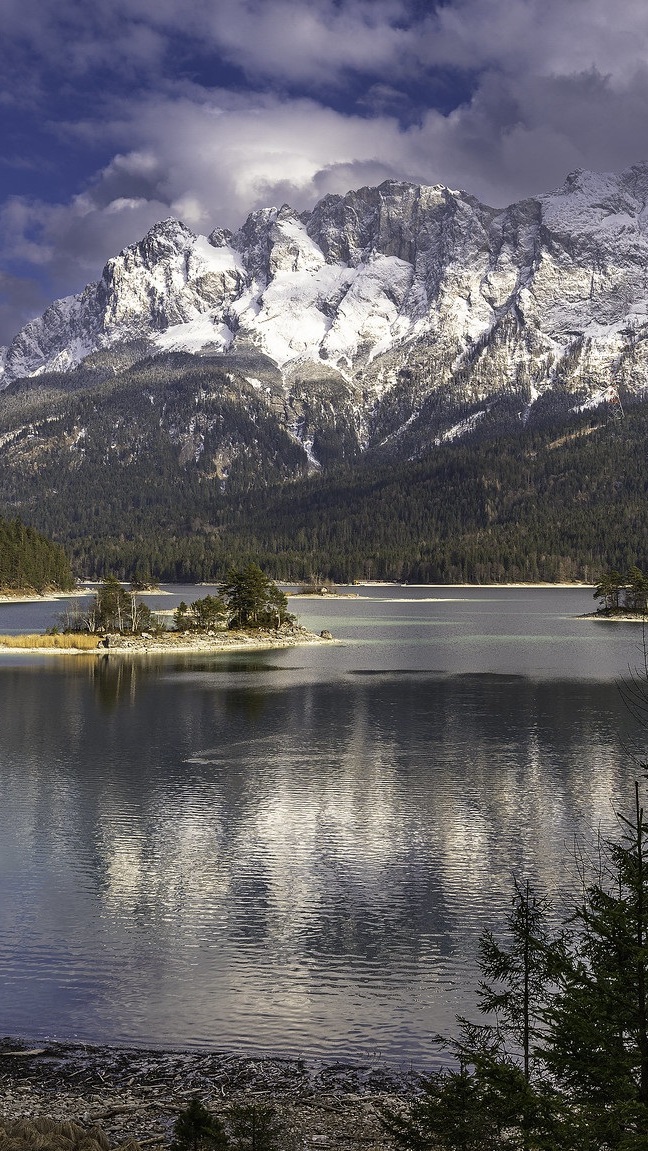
<point>409,312</point>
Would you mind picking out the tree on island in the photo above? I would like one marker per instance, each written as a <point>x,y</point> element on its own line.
<point>202,615</point>
<point>561,1058</point>
<point>253,599</point>
<point>113,609</point>
<point>617,592</point>
<point>247,599</point>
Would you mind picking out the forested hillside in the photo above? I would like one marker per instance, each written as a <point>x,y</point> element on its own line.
<point>548,503</point>
<point>551,504</point>
<point>29,561</point>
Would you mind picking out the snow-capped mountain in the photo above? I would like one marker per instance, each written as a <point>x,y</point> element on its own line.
<point>424,306</point>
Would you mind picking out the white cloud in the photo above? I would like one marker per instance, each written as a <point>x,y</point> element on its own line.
<point>543,37</point>
<point>314,42</point>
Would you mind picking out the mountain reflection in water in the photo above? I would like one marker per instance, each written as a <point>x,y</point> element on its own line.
<point>266,853</point>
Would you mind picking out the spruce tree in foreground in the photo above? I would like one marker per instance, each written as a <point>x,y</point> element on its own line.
<point>197,1129</point>
<point>597,1042</point>
<point>496,1096</point>
<point>560,1062</point>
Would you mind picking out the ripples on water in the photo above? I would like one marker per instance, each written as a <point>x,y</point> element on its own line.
<point>296,851</point>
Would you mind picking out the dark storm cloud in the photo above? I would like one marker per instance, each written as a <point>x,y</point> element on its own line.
<point>122,113</point>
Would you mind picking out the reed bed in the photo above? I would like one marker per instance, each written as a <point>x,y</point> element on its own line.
<point>68,642</point>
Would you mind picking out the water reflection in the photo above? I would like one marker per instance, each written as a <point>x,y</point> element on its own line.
<point>115,681</point>
<point>232,853</point>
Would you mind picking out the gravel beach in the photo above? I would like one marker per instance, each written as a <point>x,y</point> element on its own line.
<point>135,1094</point>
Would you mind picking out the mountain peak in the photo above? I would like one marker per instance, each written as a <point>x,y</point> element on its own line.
<point>368,279</point>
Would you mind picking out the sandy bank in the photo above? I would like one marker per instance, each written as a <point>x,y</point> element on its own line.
<point>46,597</point>
<point>136,1094</point>
<point>323,595</point>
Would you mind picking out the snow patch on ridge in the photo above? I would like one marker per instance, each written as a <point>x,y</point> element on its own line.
<point>460,429</point>
<point>194,335</point>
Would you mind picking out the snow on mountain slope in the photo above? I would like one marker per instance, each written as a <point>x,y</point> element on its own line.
<point>388,284</point>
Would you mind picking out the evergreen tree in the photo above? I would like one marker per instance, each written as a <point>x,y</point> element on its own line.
<point>561,1060</point>
<point>608,590</point>
<point>196,1129</point>
<point>202,615</point>
<point>254,1128</point>
<point>208,612</point>
<point>496,1096</point>
<point>253,600</point>
<point>637,590</point>
<point>597,1040</point>
<point>29,561</point>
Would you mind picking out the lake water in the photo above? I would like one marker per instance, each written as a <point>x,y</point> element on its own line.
<point>295,851</point>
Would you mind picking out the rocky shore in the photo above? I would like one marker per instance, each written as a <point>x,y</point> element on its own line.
<point>617,616</point>
<point>288,635</point>
<point>159,643</point>
<point>133,1094</point>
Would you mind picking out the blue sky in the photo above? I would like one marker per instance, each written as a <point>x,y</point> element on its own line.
<point>119,113</point>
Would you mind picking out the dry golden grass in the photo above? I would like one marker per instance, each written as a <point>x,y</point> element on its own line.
<point>50,1135</point>
<point>74,640</point>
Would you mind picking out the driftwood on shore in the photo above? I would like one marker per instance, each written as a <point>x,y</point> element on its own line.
<point>132,1094</point>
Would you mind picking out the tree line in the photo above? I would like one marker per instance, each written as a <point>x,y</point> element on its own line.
<point>29,562</point>
<point>560,500</point>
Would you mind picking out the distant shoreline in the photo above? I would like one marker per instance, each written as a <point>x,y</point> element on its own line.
<point>9,597</point>
<point>45,597</point>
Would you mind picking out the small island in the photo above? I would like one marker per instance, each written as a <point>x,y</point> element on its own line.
<point>249,612</point>
<point>319,590</point>
<point>623,598</point>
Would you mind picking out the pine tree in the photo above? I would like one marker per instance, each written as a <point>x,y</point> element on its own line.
<point>608,590</point>
<point>637,590</point>
<point>254,1127</point>
<point>496,1096</point>
<point>597,1041</point>
<point>253,600</point>
<point>196,1129</point>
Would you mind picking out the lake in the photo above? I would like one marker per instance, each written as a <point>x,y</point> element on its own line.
<point>295,851</point>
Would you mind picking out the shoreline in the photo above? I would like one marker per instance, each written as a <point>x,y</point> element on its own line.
<point>136,1093</point>
<point>172,643</point>
<point>620,617</point>
<point>7,597</point>
<point>46,597</point>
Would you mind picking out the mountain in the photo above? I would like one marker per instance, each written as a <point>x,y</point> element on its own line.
<point>377,330</point>
<point>407,300</point>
